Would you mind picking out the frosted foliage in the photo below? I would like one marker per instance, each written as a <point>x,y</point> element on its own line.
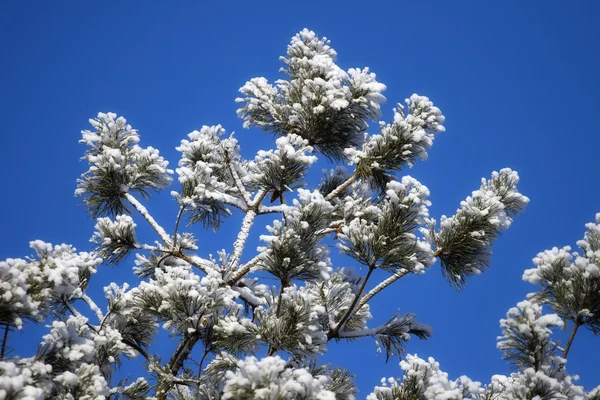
<point>464,241</point>
<point>114,239</point>
<point>404,140</point>
<point>293,249</point>
<point>106,229</point>
<point>73,362</point>
<point>24,379</point>
<point>318,98</point>
<point>526,334</point>
<point>300,332</point>
<point>425,380</point>
<point>590,244</point>
<point>388,235</point>
<point>14,293</point>
<point>185,301</point>
<point>284,299</point>
<point>29,287</point>
<point>336,296</point>
<point>532,384</point>
<point>548,263</point>
<point>570,281</point>
<point>117,165</point>
<point>203,169</point>
<point>491,200</point>
<point>280,169</point>
<point>271,379</point>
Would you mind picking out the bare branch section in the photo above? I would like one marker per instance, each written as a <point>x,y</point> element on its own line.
<point>144,213</point>
<point>333,333</point>
<point>238,183</point>
<point>238,246</point>
<point>401,273</point>
<point>336,192</point>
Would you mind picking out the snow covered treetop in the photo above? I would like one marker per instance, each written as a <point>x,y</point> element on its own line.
<point>288,299</point>
<point>318,101</point>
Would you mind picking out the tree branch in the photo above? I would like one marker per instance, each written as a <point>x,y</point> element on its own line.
<point>571,337</point>
<point>179,214</point>
<point>182,352</point>
<point>272,349</point>
<point>144,212</point>
<point>195,261</point>
<point>238,182</point>
<point>4,342</point>
<point>138,349</point>
<point>333,333</point>
<point>246,268</point>
<point>258,198</point>
<point>240,242</point>
<point>336,192</point>
<point>380,287</point>
<point>95,309</point>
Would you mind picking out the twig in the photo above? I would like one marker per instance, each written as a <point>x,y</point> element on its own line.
<point>571,337</point>
<point>71,309</point>
<point>179,214</point>
<point>182,352</point>
<point>246,268</point>
<point>258,198</point>
<point>137,348</point>
<point>238,182</point>
<point>206,352</point>
<point>238,246</point>
<point>272,349</point>
<point>380,287</point>
<point>350,311</point>
<point>4,341</point>
<point>95,309</point>
<point>144,212</point>
<point>336,192</point>
<point>191,261</point>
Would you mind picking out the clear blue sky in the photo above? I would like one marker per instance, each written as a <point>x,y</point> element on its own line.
<point>517,81</point>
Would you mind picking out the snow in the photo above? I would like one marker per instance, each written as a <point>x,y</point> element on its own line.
<point>270,378</point>
<point>427,381</point>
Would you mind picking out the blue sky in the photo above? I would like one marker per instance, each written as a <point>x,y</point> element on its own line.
<point>517,82</point>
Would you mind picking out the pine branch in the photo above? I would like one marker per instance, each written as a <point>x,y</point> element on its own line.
<point>182,352</point>
<point>272,209</point>
<point>144,212</point>
<point>335,226</point>
<point>179,356</point>
<point>380,287</point>
<point>206,352</point>
<point>69,307</point>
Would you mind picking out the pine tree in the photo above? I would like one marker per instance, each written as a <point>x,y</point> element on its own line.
<point>262,341</point>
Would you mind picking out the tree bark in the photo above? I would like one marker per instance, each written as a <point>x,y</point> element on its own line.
<point>568,346</point>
